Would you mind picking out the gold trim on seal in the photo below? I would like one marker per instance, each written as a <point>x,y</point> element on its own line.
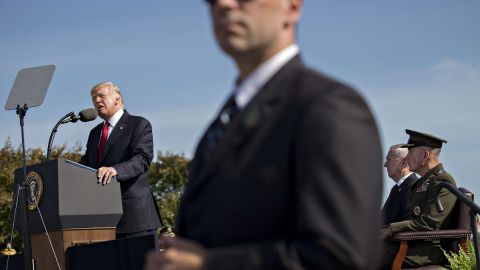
<point>35,190</point>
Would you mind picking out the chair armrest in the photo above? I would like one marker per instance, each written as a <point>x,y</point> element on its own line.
<point>431,235</point>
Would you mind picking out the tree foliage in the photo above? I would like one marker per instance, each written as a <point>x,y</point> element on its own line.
<point>167,178</point>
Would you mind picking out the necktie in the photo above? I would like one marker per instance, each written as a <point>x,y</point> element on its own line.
<point>103,140</point>
<point>219,126</point>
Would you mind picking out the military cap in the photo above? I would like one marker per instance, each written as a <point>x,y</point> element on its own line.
<point>422,139</point>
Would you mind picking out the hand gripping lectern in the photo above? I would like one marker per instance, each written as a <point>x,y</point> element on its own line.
<point>66,200</point>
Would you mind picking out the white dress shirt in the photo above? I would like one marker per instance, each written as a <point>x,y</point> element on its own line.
<point>112,121</point>
<point>249,87</point>
<point>403,179</point>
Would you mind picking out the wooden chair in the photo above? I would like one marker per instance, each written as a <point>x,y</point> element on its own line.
<point>450,239</point>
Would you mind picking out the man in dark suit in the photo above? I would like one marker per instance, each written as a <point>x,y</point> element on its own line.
<point>289,175</point>
<point>395,207</point>
<point>122,146</point>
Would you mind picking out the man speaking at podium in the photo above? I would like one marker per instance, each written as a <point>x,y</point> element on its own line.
<point>122,146</point>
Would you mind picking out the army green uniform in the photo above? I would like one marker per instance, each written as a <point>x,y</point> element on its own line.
<point>423,216</point>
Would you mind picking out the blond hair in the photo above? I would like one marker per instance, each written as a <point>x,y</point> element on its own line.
<point>112,88</point>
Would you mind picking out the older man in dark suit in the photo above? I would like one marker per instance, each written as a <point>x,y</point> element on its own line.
<point>122,146</point>
<point>395,208</point>
<point>288,176</point>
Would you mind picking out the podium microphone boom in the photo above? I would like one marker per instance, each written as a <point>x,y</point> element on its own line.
<point>84,116</point>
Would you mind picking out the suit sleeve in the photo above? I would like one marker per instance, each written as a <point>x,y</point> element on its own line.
<point>84,159</point>
<point>140,151</point>
<point>337,188</point>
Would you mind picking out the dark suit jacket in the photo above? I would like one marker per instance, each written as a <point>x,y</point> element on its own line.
<point>129,150</point>
<point>295,183</point>
<point>396,206</point>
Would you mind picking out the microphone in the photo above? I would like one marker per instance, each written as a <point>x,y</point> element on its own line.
<point>84,116</point>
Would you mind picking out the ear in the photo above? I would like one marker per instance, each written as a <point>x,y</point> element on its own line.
<point>117,100</point>
<point>294,12</point>
<point>404,163</point>
<point>426,156</point>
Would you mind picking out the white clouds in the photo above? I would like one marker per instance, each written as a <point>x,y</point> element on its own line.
<point>451,71</point>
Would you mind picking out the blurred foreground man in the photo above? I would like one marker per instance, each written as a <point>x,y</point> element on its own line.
<point>122,146</point>
<point>424,159</point>
<point>395,207</point>
<point>288,176</point>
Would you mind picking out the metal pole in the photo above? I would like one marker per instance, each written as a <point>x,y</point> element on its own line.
<point>23,195</point>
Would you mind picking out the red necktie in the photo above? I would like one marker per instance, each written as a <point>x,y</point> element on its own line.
<point>103,140</point>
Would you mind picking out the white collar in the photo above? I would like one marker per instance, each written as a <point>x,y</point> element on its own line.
<point>115,118</point>
<point>403,179</point>
<point>250,86</point>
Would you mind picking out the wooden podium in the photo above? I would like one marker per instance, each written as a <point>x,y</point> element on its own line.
<point>74,208</point>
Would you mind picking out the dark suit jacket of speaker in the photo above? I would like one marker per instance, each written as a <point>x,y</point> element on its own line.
<point>296,180</point>
<point>396,206</point>
<point>129,150</point>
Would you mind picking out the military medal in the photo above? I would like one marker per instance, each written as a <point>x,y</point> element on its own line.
<point>417,210</point>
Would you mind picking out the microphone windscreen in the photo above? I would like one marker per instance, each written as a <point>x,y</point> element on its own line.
<point>87,114</point>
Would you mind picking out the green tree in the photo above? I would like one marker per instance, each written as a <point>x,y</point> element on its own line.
<point>167,179</point>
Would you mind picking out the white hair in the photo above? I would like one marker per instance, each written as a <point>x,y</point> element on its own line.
<point>399,151</point>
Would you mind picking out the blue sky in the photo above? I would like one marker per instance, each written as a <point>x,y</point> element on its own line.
<point>416,62</point>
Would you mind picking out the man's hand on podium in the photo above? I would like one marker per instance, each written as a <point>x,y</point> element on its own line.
<point>105,174</point>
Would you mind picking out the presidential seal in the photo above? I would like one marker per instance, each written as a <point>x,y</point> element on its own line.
<point>35,190</point>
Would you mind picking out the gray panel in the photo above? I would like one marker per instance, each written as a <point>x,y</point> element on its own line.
<point>30,87</point>
<point>80,195</point>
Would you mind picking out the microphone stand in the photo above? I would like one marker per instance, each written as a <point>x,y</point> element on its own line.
<point>23,195</point>
<point>52,135</point>
<point>474,210</point>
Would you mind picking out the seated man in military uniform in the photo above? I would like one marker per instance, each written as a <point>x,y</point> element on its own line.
<point>423,158</point>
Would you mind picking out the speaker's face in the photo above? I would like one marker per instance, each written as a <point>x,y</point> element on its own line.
<point>106,102</point>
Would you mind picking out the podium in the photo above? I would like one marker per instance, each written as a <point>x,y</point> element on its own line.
<point>74,209</point>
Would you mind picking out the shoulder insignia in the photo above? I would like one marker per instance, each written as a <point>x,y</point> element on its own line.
<point>440,172</point>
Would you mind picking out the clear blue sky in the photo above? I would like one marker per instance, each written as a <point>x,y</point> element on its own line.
<point>416,62</point>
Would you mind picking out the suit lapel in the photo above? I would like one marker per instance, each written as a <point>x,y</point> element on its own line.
<point>246,130</point>
<point>115,134</point>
